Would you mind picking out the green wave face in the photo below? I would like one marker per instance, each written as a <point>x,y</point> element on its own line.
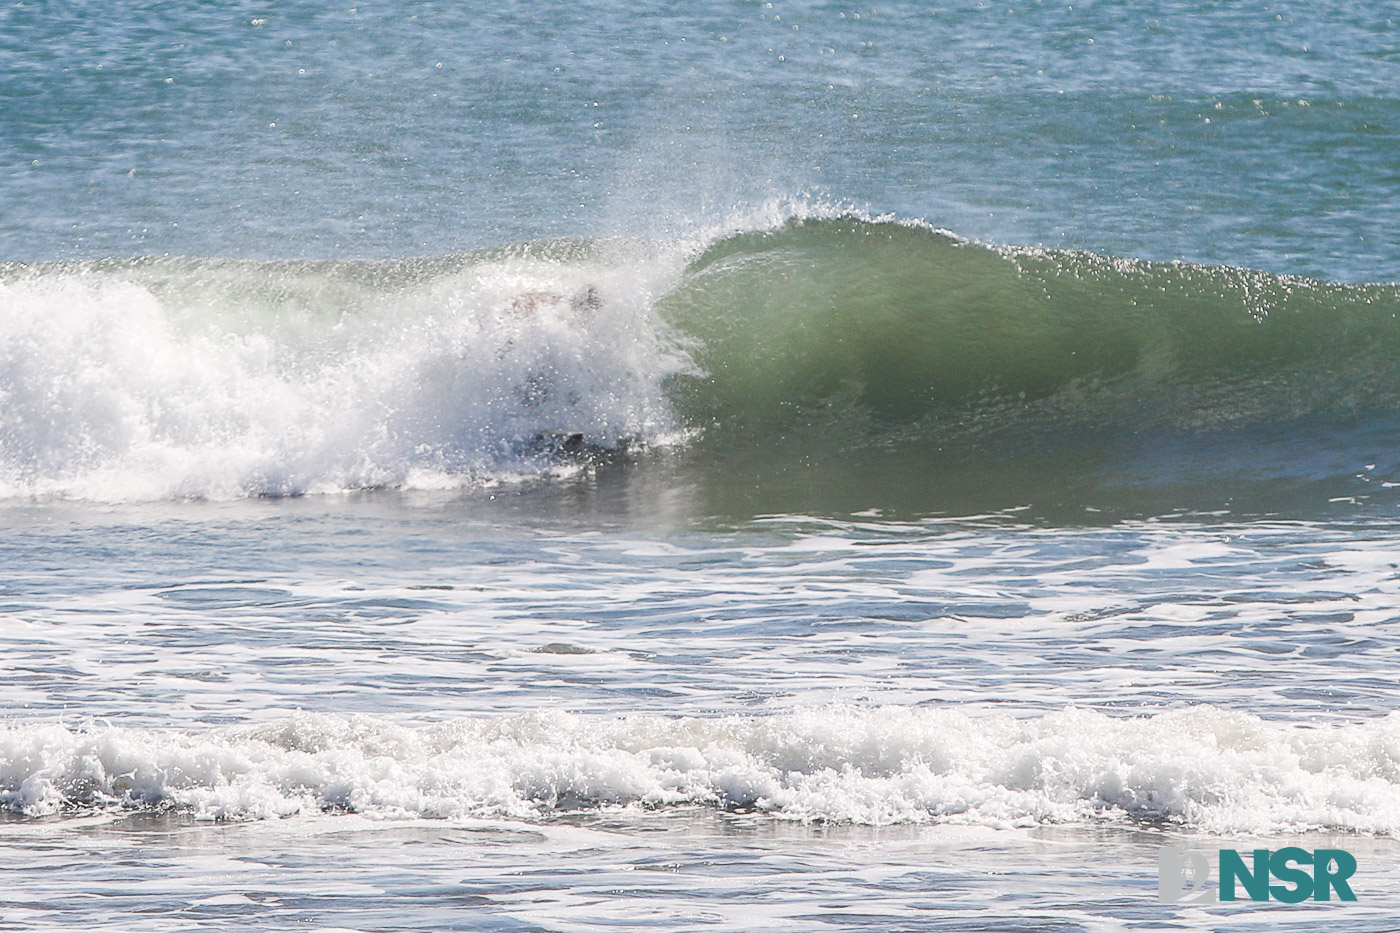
<point>893,327</point>
<point>863,358</point>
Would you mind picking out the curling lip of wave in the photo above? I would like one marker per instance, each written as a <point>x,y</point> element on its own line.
<point>892,328</point>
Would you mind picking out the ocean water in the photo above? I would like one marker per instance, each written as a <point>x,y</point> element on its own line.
<point>726,466</point>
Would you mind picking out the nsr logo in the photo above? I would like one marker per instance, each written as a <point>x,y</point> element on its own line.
<point>1330,870</point>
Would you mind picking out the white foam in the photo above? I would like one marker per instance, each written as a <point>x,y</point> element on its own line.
<point>1202,768</point>
<point>142,381</point>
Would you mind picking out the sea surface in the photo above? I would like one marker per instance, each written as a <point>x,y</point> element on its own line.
<point>718,466</point>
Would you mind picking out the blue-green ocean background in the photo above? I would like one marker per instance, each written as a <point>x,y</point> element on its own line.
<point>1246,134</point>
<point>988,468</point>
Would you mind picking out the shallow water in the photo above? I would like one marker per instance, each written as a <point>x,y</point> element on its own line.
<point>679,871</point>
<point>516,713</point>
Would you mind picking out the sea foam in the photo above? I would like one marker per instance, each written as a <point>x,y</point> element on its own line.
<point>159,379</point>
<point>1201,768</point>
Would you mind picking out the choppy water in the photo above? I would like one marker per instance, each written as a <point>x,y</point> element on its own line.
<point>783,466</point>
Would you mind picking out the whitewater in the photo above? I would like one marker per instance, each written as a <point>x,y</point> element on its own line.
<point>781,466</point>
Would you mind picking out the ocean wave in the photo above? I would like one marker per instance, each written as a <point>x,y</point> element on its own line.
<point>798,334</point>
<point>1199,768</point>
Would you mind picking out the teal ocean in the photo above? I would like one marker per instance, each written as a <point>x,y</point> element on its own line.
<point>794,466</point>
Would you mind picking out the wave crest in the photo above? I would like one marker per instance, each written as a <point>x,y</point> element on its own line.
<point>861,353</point>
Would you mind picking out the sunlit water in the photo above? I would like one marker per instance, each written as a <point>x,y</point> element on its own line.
<point>309,620</point>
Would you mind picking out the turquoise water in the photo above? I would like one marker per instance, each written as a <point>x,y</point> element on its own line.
<point>437,127</point>
<point>722,466</point>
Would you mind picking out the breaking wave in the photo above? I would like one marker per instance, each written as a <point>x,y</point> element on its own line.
<point>1200,768</point>
<point>197,378</point>
<point>815,341</point>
